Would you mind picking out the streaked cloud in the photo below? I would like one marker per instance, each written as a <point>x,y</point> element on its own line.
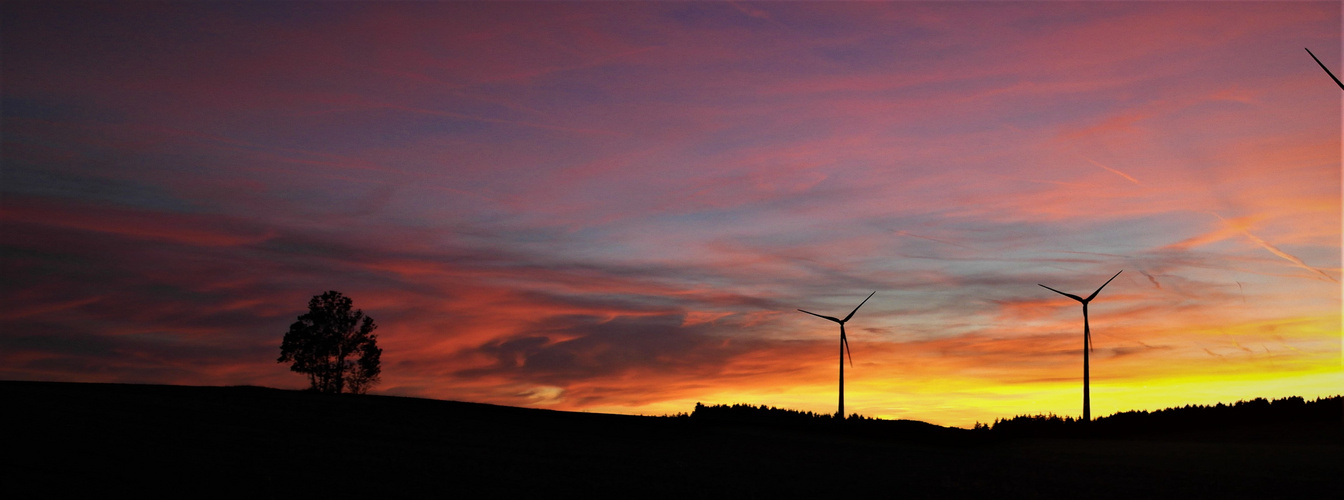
<point>617,207</point>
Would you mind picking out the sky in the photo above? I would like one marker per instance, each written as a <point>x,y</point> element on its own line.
<point>619,207</point>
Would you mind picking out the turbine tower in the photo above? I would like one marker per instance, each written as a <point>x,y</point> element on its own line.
<point>1327,70</point>
<point>1087,342</point>
<point>844,347</point>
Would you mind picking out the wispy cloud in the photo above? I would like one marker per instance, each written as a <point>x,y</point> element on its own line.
<point>545,206</point>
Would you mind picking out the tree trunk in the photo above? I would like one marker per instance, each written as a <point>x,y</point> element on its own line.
<point>340,374</point>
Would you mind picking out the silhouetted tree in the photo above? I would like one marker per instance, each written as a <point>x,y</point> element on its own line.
<point>335,347</point>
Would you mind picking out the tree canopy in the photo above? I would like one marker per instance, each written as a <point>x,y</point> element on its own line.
<point>334,346</point>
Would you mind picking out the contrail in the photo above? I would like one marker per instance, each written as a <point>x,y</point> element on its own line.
<point>1275,250</point>
<point>945,242</point>
<point>1114,171</point>
<point>1286,255</point>
<point>486,119</point>
<point>1151,279</point>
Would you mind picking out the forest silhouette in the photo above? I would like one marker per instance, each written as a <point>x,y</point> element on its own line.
<point>1176,420</point>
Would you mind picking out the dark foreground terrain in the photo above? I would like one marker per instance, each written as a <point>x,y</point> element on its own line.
<point>160,441</point>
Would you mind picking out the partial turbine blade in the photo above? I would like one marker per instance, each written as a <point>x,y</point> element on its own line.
<point>1103,285</point>
<point>845,341</point>
<point>820,316</point>
<point>856,309</point>
<point>1089,342</point>
<point>1327,70</point>
<point>1069,295</point>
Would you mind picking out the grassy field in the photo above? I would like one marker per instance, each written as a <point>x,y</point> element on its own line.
<point>79,439</point>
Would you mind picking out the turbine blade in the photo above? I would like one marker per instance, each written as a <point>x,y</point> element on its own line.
<point>1069,295</point>
<point>856,309</point>
<point>820,316</point>
<point>1327,70</point>
<point>1103,285</point>
<point>845,341</point>
<point>1089,342</point>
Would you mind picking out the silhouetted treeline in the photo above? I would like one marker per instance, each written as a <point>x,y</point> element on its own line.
<point>854,424</point>
<point>1185,419</point>
<point>1032,425</point>
<point>763,414</point>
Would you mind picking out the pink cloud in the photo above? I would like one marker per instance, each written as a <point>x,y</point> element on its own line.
<point>186,229</point>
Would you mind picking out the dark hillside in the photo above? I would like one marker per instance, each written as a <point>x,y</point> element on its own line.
<point>166,441</point>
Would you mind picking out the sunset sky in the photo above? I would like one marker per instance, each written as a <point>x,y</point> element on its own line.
<point>617,207</point>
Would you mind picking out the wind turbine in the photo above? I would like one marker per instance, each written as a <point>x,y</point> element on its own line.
<point>1327,70</point>
<point>844,347</point>
<point>1087,342</point>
